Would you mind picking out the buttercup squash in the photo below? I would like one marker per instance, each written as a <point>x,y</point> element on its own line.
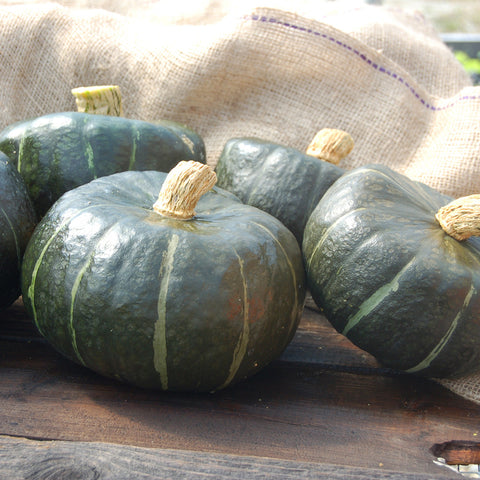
<point>281,180</point>
<point>17,221</point>
<point>60,151</point>
<point>389,277</point>
<point>161,291</point>
<point>57,152</point>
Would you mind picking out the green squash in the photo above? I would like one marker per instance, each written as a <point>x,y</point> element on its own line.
<point>155,297</point>
<point>280,180</point>
<point>57,152</point>
<point>389,277</point>
<point>17,221</point>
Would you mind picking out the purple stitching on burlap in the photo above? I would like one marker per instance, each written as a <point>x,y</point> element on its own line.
<point>362,56</point>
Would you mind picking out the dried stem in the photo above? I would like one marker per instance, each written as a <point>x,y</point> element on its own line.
<point>101,100</point>
<point>461,218</point>
<point>182,189</point>
<point>331,145</point>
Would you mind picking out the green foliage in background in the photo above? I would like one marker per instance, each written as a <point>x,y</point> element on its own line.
<point>471,65</point>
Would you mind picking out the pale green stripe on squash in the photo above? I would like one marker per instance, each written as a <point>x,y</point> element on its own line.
<point>427,361</point>
<point>89,153</point>
<point>73,296</point>
<point>292,271</point>
<point>186,141</point>
<point>17,246</point>
<point>21,151</point>
<point>133,156</point>
<point>160,328</point>
<point>376,298</point>
<point>329,229</point>
<point>242,343</point>
<point>90,159</point>
<point>38,263</point>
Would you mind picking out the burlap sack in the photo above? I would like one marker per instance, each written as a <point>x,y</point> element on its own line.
<point>280,72</point>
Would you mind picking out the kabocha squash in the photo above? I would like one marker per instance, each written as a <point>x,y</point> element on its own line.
<point>17,221</point>
<point>57,152</point>
<point>390,278</point>
<point>158,298</point>
<point>282,180</point>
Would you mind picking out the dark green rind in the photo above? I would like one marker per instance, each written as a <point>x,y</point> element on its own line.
<point>193,141</point>
<point>58,152</point>
<point>279,180</point>
<point>108,230</point>
<point>17,221</point>
<point>376,229</point>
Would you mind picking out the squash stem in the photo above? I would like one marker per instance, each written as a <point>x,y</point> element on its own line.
<point>461,218</point>
<point>99,100</point>
<point>331,145</point>
<point>182,189</point>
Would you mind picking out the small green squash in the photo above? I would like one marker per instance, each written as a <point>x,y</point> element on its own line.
<point>158,296</point>
<point>389,277</point>
<point>17,221</point>
<point>60,151</point>
<point>282,180</point>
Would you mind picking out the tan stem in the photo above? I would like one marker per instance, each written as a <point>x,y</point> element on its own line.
<point>461,218</point>
<point>331,145</point>
<point>182,189</point>
<point>99,100</point>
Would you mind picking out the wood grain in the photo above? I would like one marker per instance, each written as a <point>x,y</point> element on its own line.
<point>323,402</point>
<point>27,459</point>
<point>458,452</point>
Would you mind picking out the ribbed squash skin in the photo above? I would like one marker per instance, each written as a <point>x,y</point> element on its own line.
<point>389,278</point>
<point>279,180</point>
<point>17,221</point>
<point>162,303</point>
<point>60,151</point>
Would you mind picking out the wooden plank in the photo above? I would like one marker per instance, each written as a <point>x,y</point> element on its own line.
<point>22,458</point>
<point>317,342</point>
<point>323,402</point>
<point>458,453</point>
<point>14,323</point>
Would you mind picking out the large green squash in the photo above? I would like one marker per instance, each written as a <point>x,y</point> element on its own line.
<point>57,152</point>
<point>389,277</point>
<point>163,300</point>
<point>281,180</point>
<point>17,221</point>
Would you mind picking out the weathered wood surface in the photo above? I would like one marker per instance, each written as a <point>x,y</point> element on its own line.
<point>39,460</point>
<point>323,402</point>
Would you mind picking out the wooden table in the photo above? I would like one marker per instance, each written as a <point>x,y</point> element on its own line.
<point>325,409</point>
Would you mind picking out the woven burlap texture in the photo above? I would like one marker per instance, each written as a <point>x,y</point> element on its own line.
<point>381,74</point>
<point>272,70</point>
